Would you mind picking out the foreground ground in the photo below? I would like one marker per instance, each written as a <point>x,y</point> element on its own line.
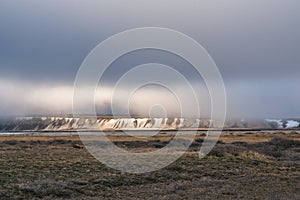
<point>241,166</point>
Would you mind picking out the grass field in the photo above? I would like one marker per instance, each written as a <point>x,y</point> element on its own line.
<point>241,166</point>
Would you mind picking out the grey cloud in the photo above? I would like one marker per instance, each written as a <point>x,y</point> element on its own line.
<point>255,44</point>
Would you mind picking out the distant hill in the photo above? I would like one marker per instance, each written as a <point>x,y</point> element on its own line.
<point>135,123</point>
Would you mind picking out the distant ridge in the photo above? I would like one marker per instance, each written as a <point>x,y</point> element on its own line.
<point>112,123</point>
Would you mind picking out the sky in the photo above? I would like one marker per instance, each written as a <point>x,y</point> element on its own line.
<point>255,44</point>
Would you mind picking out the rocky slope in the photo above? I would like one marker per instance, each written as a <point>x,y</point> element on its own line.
<point>108,123</point>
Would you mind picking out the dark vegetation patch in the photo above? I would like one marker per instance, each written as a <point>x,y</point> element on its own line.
<point>10,142</point>
<point>284,143</point>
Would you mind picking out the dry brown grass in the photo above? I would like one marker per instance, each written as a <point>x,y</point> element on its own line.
<point>239,167</point>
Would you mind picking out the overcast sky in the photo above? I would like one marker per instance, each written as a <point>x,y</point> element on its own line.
<point>255,44</point>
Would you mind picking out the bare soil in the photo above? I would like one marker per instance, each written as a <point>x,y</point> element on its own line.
<point>241,166</point>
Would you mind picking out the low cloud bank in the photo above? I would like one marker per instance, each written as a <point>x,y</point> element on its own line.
<point>244,100</point>
<point>18,98</point>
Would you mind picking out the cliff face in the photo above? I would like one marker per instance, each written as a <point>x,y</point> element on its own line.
<point>89,123</point>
